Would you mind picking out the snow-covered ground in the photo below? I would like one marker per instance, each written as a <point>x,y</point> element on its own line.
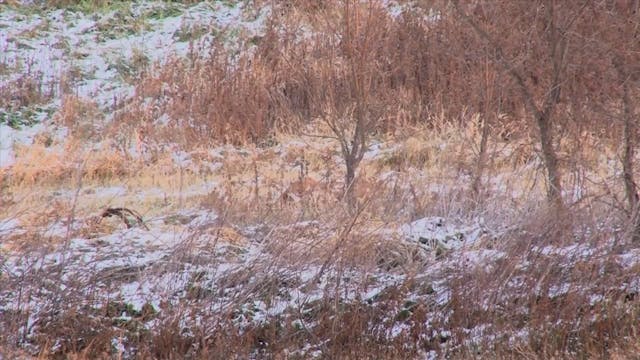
<point>98,57</point>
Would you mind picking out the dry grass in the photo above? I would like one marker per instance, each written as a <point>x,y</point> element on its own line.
<point>26,90</point>
<point>487,298</point>
<point>38,164</point>
<point>483,298</point>
<point>537,300</point>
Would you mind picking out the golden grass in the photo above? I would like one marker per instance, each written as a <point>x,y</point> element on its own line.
<point>442,157</point>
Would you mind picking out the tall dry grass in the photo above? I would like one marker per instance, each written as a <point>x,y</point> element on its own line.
<point>559,290</point>
<point>283,81</point>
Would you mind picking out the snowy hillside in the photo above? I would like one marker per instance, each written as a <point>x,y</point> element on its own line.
<point>174,185</point>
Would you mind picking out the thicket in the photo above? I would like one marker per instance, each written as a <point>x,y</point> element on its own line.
<point>558,74</point>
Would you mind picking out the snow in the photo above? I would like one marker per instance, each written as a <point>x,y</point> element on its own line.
<point>630,258</point>
<point>438,232</point>
<point>111,192</point>
<point>559,290</point>
<point>577,250</point>
<point>8,226</point>
<point>376,150</point>
<point>443,293</point>
<point>9,137</point>
<point>7,157</point>
<point>479,257</point>
<point>55,42</point>
<point>141,267</point>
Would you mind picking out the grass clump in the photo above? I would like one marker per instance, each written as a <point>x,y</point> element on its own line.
<point>19,119</point>
<point>120,24</point>
<point>130,69</point>
<point>170,9</point>
<point>84,6</point>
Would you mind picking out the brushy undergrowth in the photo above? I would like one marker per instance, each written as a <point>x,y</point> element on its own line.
<point>262,120</point>
<point>559,290</point>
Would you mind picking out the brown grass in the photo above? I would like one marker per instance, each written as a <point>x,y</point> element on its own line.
<point>535,301</point>
<point>28,89</point>
<point>489,298</point>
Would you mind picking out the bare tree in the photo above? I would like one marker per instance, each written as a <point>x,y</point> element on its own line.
<point>629,136</point>
<point>619,39</point>
<point>351,102</point>
<point>489,108</point>
<point>542,31</point>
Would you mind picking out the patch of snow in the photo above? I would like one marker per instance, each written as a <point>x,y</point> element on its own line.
<point>519,336</point>
<point>9,226</point>
<point>118,346</point>
<point>59,228</point>
<point>398,329</point>
<point>199,217</point>
<point>443,293</point>
<point>9,137</point>
<point>7,157</point>
<point>110,192</point>
<point>437,232</point>
<point>376,150</point>
<point>181,158</point>
<point>559,290</point>
<point>595,299</point>
<point>629,259</point>
<point>479,257</point>
<point>579,250</point>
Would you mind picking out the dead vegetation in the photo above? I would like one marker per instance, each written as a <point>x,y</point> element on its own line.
<point>321,137</point>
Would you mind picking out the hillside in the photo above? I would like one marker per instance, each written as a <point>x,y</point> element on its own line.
<point>306,180</point>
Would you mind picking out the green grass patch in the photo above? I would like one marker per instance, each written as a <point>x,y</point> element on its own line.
<point>130,69</point>
<point>87,6</point>
<point>166,11</point>
<point>23,117</point>
<point>121,24</point>
<point>190,32</point>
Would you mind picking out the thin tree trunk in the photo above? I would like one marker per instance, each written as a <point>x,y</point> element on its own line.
<point>349,181</point>
<point>630,187</point>
<point>482,159</point>
<point>558,46</point>
<point>542,115</point>
<point>487,99</point>
<point>550,159</point>
<point>629,151</point>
